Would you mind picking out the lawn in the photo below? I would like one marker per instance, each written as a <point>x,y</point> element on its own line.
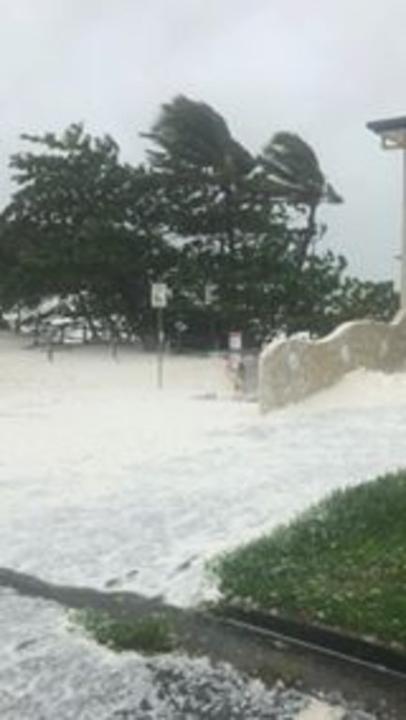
<point>342,563</point>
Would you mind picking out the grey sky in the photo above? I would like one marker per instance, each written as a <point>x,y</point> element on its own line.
<point>321,68</point>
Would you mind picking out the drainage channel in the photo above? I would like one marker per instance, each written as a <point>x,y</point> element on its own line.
<point>322,639</point>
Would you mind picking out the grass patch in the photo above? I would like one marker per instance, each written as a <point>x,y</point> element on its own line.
<point>147,635</point>
<point>341,563</point>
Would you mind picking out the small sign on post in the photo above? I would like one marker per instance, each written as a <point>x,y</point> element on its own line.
<point>159,295</point>
<point>235,341</point>
<point>159,300</point>
<point>209,293</point>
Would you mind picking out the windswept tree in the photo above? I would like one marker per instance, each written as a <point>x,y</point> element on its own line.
<point>203,212</point>
<point>240,216</point>
<point>200,166</point>
<point>197,136</point>
<point>295,175</point>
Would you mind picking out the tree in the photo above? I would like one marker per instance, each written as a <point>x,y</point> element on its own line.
<point>365,299</point>
<point>237,214</point>
<point>200,165</point>
<point>295,174</point>
<point>82,223</point>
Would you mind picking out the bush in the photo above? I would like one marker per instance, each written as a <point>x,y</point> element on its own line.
<point>147,635</point>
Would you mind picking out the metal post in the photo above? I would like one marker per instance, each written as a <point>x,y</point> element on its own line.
<point>160,328</point>
<point>209,296</point>
<point>50,347</point>
<point>403,245</point>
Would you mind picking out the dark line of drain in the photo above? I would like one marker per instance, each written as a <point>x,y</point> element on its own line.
<point>319,638</point>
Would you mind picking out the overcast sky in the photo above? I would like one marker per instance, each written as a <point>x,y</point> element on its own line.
<point>321,68</point>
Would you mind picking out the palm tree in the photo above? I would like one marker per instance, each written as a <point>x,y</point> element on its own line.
<point>196,135</point>
<point>295,176</point>
<point>196,147</point>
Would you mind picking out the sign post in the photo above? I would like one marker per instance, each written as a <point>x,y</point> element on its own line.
<point>209,298</point>
<point>236,364</point>
<point>235,341</point>
<point>159,300</point>
<point>209,293</point>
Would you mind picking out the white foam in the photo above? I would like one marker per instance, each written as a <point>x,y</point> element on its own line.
<point>106,481</point>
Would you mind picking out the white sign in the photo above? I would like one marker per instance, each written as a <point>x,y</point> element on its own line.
<point>159,295</point>
<point>209,293</point>
<point>235,341</point>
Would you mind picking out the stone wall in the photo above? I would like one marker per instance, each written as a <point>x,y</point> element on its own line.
<point>292,368</point>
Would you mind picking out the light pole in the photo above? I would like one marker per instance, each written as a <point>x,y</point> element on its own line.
<point>393,137</point>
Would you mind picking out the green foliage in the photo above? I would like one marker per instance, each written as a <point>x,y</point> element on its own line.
<point>195,135</point>
<point>242,222</point>
<point>84,225</point>
<point>295,175</point>
<point>147,635</point>
<point>365,299</point>
<point>341,563</point>
<point>293,163</point>
<point>81,223</point>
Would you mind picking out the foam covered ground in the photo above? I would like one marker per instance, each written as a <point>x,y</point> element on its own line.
<point>108,482</point>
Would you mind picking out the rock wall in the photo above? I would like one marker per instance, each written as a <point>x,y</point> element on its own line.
<point>293,368</point>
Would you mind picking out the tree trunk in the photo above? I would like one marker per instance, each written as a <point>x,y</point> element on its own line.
<point>309,234</point>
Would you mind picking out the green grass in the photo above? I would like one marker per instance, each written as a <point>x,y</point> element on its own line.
<point>342,563</point>
<point>147,635</point>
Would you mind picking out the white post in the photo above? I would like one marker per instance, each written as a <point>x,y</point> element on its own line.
<point>161,346</point>
<point>403,246</point>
